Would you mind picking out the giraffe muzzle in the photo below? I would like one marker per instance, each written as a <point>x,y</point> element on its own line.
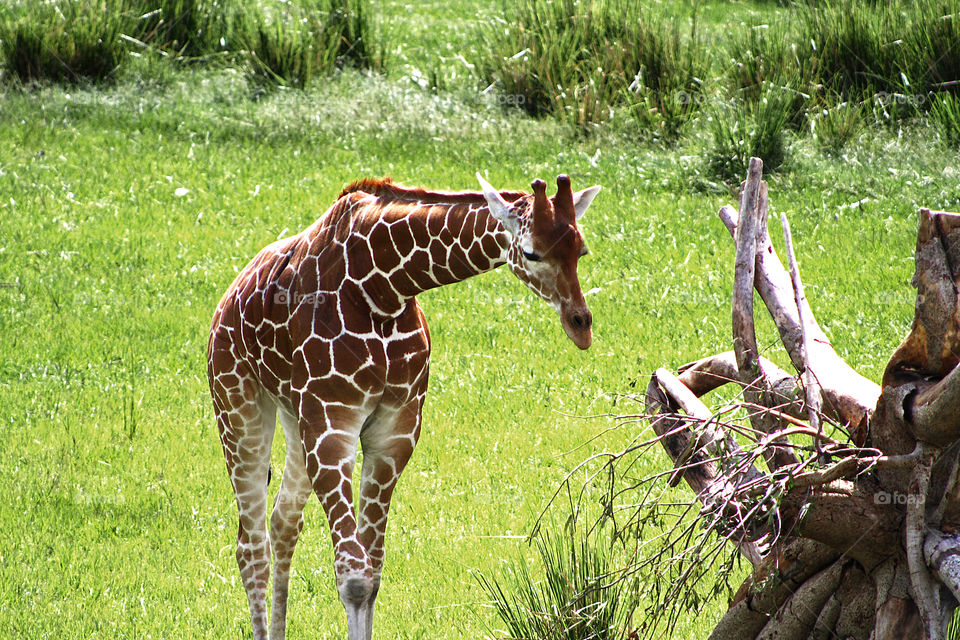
<point>578,325</point>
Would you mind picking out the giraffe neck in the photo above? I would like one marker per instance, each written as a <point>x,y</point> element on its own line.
<point>410,247</point>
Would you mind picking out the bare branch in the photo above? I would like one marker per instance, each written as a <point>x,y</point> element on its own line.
<point>782,572</point>
<point>798,425</point>
<point>848,397</point>
<point>682,395</point>
<point>753,210</point>
<point>897,619</point>
<point>744,335</point>
<point>835,471</point>
<point>707,374</point>
<point>827,619</point>
<point>921,384</point>
<point>846,516</point>
<point>858,594</point>
<point>810,384</point>
<point>798,615</point>
<point>944,487</point>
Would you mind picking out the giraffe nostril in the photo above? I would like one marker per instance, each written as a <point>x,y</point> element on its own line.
<point>582,320</point>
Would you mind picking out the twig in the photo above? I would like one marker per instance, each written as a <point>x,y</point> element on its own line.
<point>801,427</point>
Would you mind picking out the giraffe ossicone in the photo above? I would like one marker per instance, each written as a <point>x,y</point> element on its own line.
<point>323,330</point>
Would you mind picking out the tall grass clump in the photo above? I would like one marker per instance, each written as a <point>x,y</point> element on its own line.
<point>932,46</point>
<point>301,42</point>
<point>765,55</point>
<point>68,41</point>
<point>581,61</point>
<point>358,43</point>
<point>857,47</point>
<point>186,28</point>
<point>899,48</point>
<point>573,594</point>
<point>743,128</point>
<point>894,55</point>
<point>945,116</point>
<point>834,127</point>
<point>73,40</point>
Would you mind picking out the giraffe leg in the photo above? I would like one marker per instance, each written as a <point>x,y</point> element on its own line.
<point>330,455</point>
<point>246,431</point>
<point>387,443</point>
<point>286,522</point>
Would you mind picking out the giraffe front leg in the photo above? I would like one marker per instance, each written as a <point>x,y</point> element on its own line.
<point>330,457</point>
<point>387,443</point>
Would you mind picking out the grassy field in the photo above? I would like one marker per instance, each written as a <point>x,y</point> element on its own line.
<point>126,210</point>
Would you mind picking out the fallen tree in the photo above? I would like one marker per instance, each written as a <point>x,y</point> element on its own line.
<point>840,493</point>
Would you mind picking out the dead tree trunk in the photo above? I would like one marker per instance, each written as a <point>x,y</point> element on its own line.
<point>866,538</point>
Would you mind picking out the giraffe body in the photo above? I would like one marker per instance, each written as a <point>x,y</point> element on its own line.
<point>323,330</point>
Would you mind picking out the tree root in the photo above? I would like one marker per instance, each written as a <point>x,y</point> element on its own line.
<point>857,538</point>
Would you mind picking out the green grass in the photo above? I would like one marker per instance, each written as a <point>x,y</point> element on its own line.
<point>120,521</point>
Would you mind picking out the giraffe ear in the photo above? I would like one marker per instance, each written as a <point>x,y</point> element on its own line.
<point>499,208</point>
<point>582,200</point>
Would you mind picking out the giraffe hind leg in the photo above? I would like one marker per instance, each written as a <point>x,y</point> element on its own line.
<point>247,426</point>
<point>286,521</point>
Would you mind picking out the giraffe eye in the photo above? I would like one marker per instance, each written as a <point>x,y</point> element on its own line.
<point>531,256</point>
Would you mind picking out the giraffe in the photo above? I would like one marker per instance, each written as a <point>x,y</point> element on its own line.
<point>323,330</point>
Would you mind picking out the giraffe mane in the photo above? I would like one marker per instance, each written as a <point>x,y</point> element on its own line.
<point>388,190</point>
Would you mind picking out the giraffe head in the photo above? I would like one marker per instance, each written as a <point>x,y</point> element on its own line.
<point>545,246</point>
